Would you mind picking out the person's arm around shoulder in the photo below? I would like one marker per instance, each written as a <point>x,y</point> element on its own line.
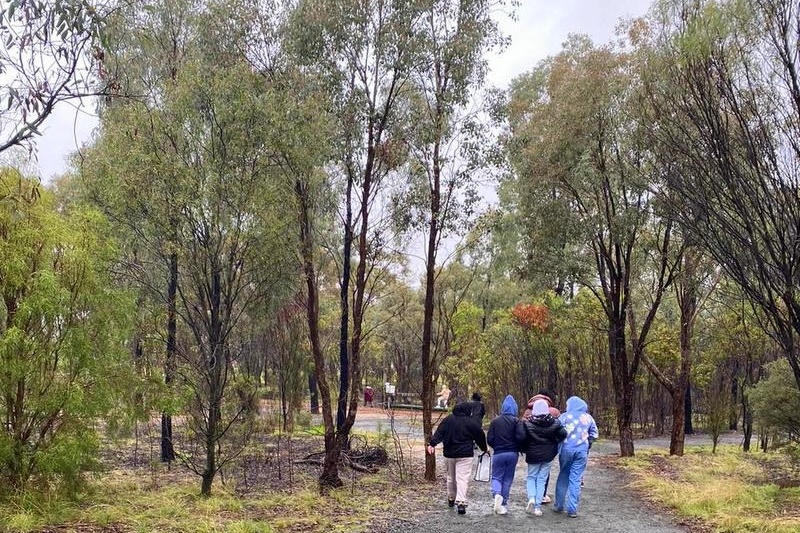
<point>438,435</point>
<point>478,435</point>
<point>561,432</point>
<point>593,433</point>
<point>490,433</point>
<point>520,433</point>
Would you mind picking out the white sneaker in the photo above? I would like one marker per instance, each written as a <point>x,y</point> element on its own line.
<point>546,499</point>
<point>498,503</point>
<point>537,512</point>
<point>503,510</point>
<point>530,506</point>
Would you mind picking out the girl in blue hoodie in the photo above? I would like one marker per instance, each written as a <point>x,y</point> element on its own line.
<point>581,431</point>
<point>502,437</point>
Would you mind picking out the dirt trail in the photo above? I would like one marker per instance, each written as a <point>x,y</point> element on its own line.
<point>607,505</point>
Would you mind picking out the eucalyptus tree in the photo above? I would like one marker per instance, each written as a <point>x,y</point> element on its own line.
<point>696,279</point>
<point>401,313</point>
<point>190,167</point>
<point>63,328</point>
<point>148,50</point>
<point>365,50</point>
<point>449,341</point>
<point>732,351</point>
<point>724,84</point>
<point>576,141</point>
<point>50,52</point>
<point>287,358</point>
<point>749,349</point>
<point>446,144</point>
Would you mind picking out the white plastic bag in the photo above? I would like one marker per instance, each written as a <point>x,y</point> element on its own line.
<point>483,470</point>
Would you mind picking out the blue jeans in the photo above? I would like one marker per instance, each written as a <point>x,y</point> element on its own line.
<point>537,477</point>
<point>504,465</point>
<point>571,463</point>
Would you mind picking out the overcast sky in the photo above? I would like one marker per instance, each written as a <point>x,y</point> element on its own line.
<point>540,28</point>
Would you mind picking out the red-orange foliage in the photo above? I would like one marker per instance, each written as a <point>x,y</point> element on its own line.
<point>532,316</point>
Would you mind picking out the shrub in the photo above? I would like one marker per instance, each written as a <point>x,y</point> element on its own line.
<point>776,402</point>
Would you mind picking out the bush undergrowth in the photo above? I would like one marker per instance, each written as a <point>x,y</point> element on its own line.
<point>730,491</point>
<point>134,504</point>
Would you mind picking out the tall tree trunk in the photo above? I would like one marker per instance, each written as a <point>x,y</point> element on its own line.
<point>687,294</point>
<point>312,391</point>
<point>688,428</point>
<point>344,304</point>
<point>747,413</point>
<point>427,321</point>
<point>747,424</point>
<point>167,446</point>
<point>678,393</point>
<point>427,362</point>
<point>624,419</point>
<point>351,394</point>
<point>284,407</point>
<point>330,473</point>
<point>329,477</point>
<point>623,386</point>
<point>733,423</point>
<point>676,437</point>
<point>214,365</point>
<point>210,469</point>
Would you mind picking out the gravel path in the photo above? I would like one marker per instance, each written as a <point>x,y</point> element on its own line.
<point>607,504</point>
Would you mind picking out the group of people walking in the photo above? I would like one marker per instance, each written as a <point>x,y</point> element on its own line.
<point>541,434</point>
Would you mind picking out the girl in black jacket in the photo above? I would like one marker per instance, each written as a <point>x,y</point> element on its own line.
<point>458,432</point>
<point>542,434</point>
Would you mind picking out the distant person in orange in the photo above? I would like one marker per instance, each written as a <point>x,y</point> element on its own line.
<point>443,397</point>
<point>369,396</point>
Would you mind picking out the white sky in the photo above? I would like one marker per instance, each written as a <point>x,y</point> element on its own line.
<point>540,28</point>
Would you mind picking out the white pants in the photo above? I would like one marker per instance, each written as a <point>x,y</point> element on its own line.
<point>458,472</point>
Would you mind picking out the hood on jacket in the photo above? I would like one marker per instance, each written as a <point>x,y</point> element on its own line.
<point>540,407</point>
<point>575,404</point>
<point>540,396</point>
<point>509,406</point>
<point>462,409</point>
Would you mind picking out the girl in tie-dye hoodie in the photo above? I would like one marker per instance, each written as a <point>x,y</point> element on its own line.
<point>581,432</point>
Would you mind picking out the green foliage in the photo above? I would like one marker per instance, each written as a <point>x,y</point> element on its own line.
<point>198,175</point>
<point>719,83</point>
<point>776,401</point>
<point>302,419</point>
<point>48,53</point>
<point>62,335</point>
<point>467,347</point>
<point>514,359</point>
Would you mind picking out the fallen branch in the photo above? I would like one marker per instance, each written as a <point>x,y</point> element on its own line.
<point>358,467</point>
<point>308,461</point>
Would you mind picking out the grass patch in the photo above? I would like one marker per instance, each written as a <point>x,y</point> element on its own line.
<point>267,491</point>
<point>133,505</point>
<point>729,492</point>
